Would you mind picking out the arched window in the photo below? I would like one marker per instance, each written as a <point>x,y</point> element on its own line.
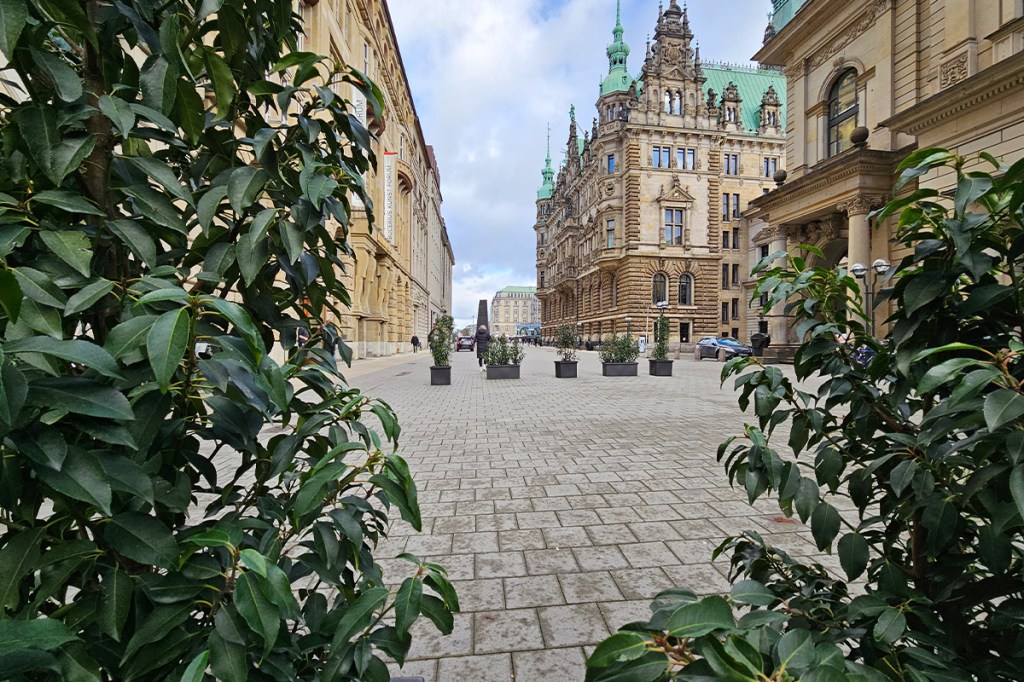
<point>842,111</point>
<point>685,289</point>
<point>668,101</point>
<point>659,288</point>
<point>676,103</point>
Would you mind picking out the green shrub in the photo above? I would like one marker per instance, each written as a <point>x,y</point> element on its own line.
<point>501,351</point>
<point>176,503</point>
<point>440,340</point>
<point>660,351</point>
<point>619,348</point>
<point>567,342</point>
<point>909,466</point>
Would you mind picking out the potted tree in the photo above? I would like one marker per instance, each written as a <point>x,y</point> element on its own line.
<point>440,340</point>
<point>502,358</point>
<point>565,339</point>
<point>618,356</point>
<point>660,365</point>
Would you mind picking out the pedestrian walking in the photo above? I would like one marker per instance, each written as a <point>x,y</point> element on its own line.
<point>415,344</point>
<point>483,337</point>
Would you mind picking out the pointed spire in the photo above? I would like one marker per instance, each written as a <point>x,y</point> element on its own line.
<point>618,75</point>
<point>547,187</point>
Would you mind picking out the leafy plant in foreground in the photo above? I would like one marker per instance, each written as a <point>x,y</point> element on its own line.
<point>619,348</point>
<point>501,351</point>
<point>440,340</point>
<point>660,351</point>
<point>567,341</point>
<point>186,490</point>
<point>909,467</point>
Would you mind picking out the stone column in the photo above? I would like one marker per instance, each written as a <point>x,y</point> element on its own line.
<point>858,229</point>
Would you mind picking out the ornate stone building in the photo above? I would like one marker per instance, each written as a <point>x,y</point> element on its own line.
<point>513,307</point>
<point>868,82</point>
<point>648,203</point>
<point>401,278</point>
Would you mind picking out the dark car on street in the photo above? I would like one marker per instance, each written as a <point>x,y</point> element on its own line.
<point>724,348</point>
<point>465,343</point>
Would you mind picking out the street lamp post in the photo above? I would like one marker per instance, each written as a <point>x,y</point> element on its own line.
<point>860,271</point>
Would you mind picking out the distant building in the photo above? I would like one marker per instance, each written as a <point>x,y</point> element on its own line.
<point>868,82</point>
<point>513,307</point>
<point>648,203</point>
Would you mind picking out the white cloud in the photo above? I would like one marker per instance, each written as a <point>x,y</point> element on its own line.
<point>489,75</point>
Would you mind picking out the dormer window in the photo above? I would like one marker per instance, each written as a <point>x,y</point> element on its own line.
<point>843,110</point>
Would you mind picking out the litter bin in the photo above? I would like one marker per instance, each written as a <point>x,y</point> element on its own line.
<point>758,342</point>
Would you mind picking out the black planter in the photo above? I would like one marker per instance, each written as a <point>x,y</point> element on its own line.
<point>660,368</point>
<point>618,369</point>
<point>502,371</point>
<point>441,376</point>
<point>565,369</point>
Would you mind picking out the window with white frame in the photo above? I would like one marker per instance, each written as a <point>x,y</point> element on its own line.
<point>675,224</point>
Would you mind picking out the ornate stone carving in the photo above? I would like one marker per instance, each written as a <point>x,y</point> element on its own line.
<point>857,28</point>
<point>769,234</point>
<point>953,71</point>
<point>860,204</point>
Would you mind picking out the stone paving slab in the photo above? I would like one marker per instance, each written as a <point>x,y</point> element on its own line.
<point>560,507</point>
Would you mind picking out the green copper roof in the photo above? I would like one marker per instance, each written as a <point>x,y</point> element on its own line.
<point>548,186</point>
<point>518,290</point>
<point>752,83</point>
<point>784,11</point>
<point>618,78</point>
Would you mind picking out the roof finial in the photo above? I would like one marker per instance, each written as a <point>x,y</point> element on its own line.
<point>549,142</point>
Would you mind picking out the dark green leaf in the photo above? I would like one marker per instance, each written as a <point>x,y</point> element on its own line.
<point>18,558</point>
<point>65,80</point>
<point>751,592</point>
<point>259,613</point>
<point>437,613</point>
<point>157,626</point>
<point>407,604</point>
<point>694,620</point>
<point>88,296</point>
<point>166,344</point>
<point>117,599</point>
<point>46,634</point>
<point>1002,407</point>
<point>66,201</point>
<point>81,396</point>
<point>824,525</point>
<point>80,352</point>
<point>622,646</point>
<point>890,626</point>
<point>72,247</point>
<point>223,82</point>
<point>227,659</point>
<point>196,670</point>
<point>81,478</point>
<point>795,652</point>
<point>13,17</point>
<point>244,186</point>
<point>903,475</point>
<point>853,554</point>
<point>358,615</point>
<point>159,171</point>
<point>648,668</point>
<point>39,287</point>
<point>1017,488</point>
<point>129,335</point>
<point>136,238</point>
<point>119,112</point>
<point>142,538</point>
<point>10,294</point>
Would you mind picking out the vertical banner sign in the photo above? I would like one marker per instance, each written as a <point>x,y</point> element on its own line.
<point>389,196</point>
<point>359,107</point>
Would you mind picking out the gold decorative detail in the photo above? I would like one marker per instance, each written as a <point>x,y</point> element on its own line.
<point>953,71</point>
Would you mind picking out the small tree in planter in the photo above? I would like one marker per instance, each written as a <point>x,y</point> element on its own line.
<point>618,356</point>
<point>440,340</point>
<point>660,365</point>
<point>503,358</point>
<point>566,340</point>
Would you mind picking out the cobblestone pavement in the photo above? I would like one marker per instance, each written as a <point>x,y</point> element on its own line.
<point>560,507</point>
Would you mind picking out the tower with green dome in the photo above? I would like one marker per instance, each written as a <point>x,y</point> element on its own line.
<point>618,78</point>
<point>547,187</point>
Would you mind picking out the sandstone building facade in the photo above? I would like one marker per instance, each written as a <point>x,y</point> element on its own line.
<point>647,206</point>
<point>869,81</point>
<point>513,307</point>
<point>401,277</point>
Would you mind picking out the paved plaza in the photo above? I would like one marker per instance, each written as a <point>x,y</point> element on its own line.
<point>560,507</point>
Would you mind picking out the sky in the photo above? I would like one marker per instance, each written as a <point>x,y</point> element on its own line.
<point>488,76</point>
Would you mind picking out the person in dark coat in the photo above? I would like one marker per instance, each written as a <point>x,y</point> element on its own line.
<point>483,337</point>
<point>415,343</point>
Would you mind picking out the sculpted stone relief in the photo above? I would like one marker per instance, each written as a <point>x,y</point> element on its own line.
<point>953,71</point>
<point>857,28</point>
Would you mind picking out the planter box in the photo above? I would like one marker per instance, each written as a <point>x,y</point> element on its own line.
<point>441,376</point>
<point>566,369</point>
<point>618,369</point>
<point>660,368</point>
<point>502,371</point>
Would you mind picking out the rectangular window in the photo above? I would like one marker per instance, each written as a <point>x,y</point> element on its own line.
<point>725,276</point>
<point>542,279</point>
<point>731,163</point>
<point>725,207</point>
<point>762,251</point>
<point>656,157</point>
<point>661,157</point>
<point>675,223</point>
<point>735,332</point>
<point>725,239</point>
<point>735,206</point>
<point>725,312</point>
<point>735,308</point>
<point>771,164</point>
<point>686,158</point>
<point>366,58</point>
<point>735,237</point>
<point>684,332</point>
<point>735,274</point>
<point>610,234</point>
<point>611,163</point>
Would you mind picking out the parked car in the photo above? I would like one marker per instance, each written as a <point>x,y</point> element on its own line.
<point>711,346</point>
<point>465,342</point>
